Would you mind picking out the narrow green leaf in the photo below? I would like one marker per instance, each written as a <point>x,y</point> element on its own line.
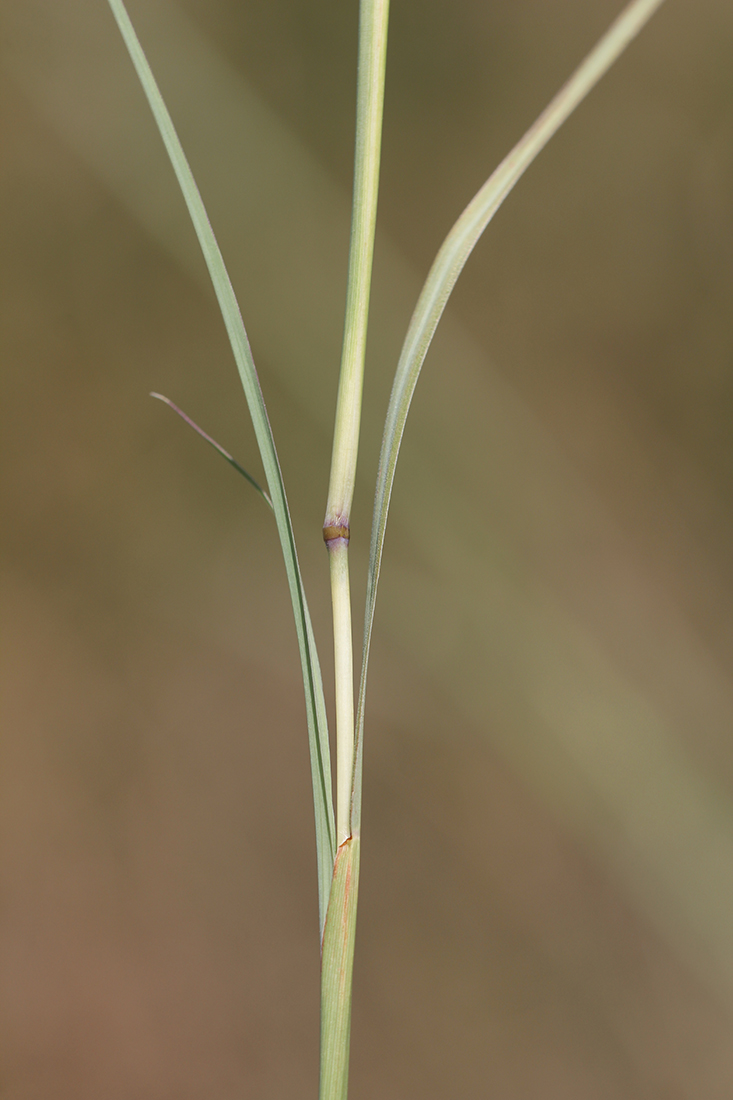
<point>439,284</point>
<point>337,964</point>
<point>217,446</point>
<point>315,704</point>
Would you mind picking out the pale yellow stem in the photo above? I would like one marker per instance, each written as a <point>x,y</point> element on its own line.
<point>338,550</point>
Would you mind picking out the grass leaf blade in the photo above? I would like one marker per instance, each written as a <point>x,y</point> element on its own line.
<point>313,685</point>
<point>217,446</point>
<point>438,287</point>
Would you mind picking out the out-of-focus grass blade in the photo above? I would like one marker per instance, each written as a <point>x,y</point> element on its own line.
<point>439,284</point>
<point>315,703</point>
<point>337,964</point>
<point>217,446</point>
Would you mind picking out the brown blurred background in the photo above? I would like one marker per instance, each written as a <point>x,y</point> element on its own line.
<point>547,885</point>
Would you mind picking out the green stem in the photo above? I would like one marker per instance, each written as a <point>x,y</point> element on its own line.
<point>336,972</point>
<point>343,652</point>
<point>338,940</point>
<point>369,106</point>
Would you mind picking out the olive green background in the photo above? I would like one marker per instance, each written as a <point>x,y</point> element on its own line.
<point>547,874</point>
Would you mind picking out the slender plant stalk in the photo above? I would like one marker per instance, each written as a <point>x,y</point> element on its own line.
<point>338,964</point>
<point>338,550</point>
<point>373,17</point>
<point>337,959</point>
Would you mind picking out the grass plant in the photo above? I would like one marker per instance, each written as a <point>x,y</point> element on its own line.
<point>338,830</point>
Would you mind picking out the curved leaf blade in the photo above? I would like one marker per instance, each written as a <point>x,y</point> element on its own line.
<point>310,666</point>
<point>441,280</point>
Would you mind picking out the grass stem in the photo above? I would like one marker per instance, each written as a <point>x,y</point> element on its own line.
<point>337,967</point>
<point>373,17</point>
<point>338,549</point>
<point>340,929</point>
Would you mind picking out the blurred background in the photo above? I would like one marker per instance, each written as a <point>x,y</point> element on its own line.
<point>547,872</point>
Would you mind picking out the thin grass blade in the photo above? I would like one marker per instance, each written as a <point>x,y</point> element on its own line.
<point>438,287</point>
<point>217,446</point>
<point>315,703</point>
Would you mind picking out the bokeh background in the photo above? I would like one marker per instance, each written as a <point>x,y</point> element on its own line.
<point>547,873</point>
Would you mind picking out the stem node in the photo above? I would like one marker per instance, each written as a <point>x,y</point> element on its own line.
<point>335,532</point>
